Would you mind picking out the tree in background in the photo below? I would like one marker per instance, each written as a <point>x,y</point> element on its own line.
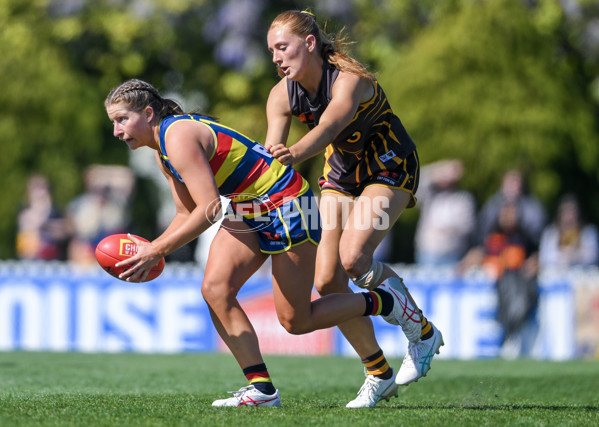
<point>492,83</point>
<point>496,83</point>
<point>49,113</point>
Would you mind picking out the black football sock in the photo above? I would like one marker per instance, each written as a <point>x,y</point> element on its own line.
<point>378,302</point>
<point>258,376</point>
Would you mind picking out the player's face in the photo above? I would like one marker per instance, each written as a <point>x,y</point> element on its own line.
<point>289,52</point>
<point>130,126</point>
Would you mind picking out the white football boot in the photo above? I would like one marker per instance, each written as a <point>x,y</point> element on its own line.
<point>374,390</point>
<point>417,361</point>
<point>249,396</point>
<point>404,313</point>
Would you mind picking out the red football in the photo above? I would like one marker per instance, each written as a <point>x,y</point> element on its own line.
<point>119,247</point>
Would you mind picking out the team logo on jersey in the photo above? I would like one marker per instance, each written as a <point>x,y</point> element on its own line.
<point>387,156</point>
<point>355,137</point>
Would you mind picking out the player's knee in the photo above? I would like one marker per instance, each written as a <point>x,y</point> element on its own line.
<point>209,293</point>
<point>354,261</point>
<point>325,283</point>
<point>294,325</point>
<point>215,291</point>
<point>323,288</point>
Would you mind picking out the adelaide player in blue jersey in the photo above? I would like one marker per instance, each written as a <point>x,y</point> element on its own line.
<point>273,213</point>
<point>371,170</point>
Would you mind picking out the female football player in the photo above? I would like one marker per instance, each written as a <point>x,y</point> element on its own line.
<point>371,171</point>
<point>272,214</point>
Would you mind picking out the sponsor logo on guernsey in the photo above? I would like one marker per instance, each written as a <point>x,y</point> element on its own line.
<point>390,178</point>
<point>387,180</point>
<point>387,156</point>
<point>305,117</point>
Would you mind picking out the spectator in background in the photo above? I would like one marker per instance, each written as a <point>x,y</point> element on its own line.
<point>513,189</point>
<point>510,225</point>
<point>447,215</point>
<point>569,241</point>
<point>103,209</point>
<point>42,232</point>
<point>510,256</point>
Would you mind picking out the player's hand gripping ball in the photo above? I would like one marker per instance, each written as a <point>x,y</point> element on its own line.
<point>118,247</point>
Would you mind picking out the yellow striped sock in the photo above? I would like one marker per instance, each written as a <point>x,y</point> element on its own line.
<point>427,329</point>
<point>379,304</point>
<point>260,380</point>
<point>377,365</point>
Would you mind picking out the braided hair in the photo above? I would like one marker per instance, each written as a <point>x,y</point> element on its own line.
<point>137,95</point>
<point>332,48</point>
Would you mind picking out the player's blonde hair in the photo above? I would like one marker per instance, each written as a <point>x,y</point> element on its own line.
<point>332,48</point>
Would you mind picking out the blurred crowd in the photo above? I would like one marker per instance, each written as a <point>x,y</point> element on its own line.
<point>47,233</point>
<point>510,236</point>
<point>510,231</point>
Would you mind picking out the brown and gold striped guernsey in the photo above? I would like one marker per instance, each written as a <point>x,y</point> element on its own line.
<point>375,141</point>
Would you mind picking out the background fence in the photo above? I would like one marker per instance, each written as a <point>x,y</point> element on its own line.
<point>57,307</point>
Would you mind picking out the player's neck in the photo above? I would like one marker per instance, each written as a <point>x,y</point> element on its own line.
<point>312,78</point>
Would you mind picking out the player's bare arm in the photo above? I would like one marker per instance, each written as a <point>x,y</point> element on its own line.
<point>278,115</point>
<point>348,91</point>
<point>198,200</point>
<point>192,200</point>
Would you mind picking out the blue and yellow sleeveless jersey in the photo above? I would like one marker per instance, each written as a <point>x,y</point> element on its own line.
<point>243,169</point>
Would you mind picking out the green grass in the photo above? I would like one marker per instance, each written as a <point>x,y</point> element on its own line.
<point>56,389</point>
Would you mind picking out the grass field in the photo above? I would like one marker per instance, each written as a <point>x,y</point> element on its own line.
<point>74,389</point>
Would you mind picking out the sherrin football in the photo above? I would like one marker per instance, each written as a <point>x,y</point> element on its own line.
<point>118,247</point>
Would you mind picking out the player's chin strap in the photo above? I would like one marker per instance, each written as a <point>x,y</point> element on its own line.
<point>370,279</point>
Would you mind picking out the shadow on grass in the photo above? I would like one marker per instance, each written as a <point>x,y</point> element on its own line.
<point>526,407</point>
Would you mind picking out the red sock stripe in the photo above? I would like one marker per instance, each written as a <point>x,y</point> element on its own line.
<point>258,375</point>
<point>376,303</point>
